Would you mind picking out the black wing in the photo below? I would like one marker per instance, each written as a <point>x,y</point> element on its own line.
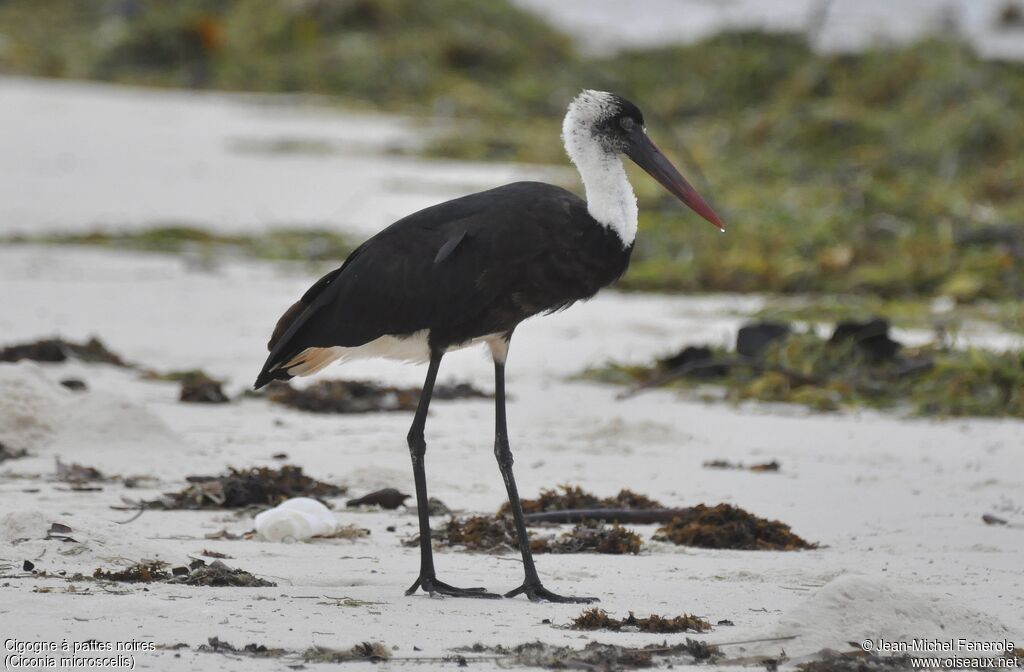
<point>465,268</point>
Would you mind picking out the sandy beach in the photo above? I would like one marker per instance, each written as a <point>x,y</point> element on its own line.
<point>895,503</point>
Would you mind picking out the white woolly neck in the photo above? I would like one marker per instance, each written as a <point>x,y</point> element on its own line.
<point>610,198</point>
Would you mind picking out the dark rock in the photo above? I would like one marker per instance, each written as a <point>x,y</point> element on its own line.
<point>27,566</point>
<point>202,390</point>
<point>388,498</point>
<point>74,384</point>
<point>700,358</point>
<point>435,507</point>
<point>871,337</point>
<point>752,339</point>
<point>10,453</point>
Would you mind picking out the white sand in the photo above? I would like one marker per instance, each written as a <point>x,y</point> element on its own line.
<point>895,502</point>
<point>79,156</point>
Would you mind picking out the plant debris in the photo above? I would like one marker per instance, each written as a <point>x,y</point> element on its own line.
<point>236,488</point>
<point>598,619</point>
<point>202,389</point>
<point>498,533</point>
<point>593,538</point>
<point>729,527</point>
<point>388,498</point>
<point>142,572</point>
<point>60,350</point>
<point>574,497</point>
<point>197,573</point>
<point>354,396</point>
<point>218,574</point>
<point>72,472</point>
<point>598,656</point>
<point>859,364</point>
<point>372,651</point>
<point>762,467</point>
<point>11,453</point>
<point>476,533</point>
<point>346,532</point>
<point>217,645</point>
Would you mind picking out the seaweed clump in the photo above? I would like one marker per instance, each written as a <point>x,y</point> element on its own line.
<point>860,364</point>
<point>218,574</point>
<point>202,389</point>
<point>258,486</point>
<point>598,656</point>
<point>371,651</point>
<point>607,539</point>
<point>568,497</point>
<point>355,396</point>
<point>198,573</point>
<point>729,527</point>
<point>598,619</point>
<point>61,350</point>
<point>11,453</point>
<point>142,572</point>
<point>498,533</point>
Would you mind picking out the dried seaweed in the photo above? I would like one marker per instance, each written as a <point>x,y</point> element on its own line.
<point>598,656</point>
<point>574,497</point>
<point>218,574</point>
<point>729,527</point>
<point>355,396</point>
<point>60,350</point>
<point>371,651</point>
<point>477,533</point>
<point>202,389</point>
<point>143,572</point>
<point>262,486</point>
<point>217,645</point>
<point>11,453</point>
<point>498,533</point>
<point>72,472</point>
<point>762,467</point>
<point>593,538</point>
<point>598,619</point>
<point>198,573</point>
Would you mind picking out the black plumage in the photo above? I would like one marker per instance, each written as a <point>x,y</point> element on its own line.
<point>463,269</point>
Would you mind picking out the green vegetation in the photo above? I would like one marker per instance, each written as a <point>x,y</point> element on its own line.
<point>896,173</point>
<point>277,244</point>
<point>806,369</point>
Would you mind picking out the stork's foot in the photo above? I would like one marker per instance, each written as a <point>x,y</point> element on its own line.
<point>432,586</point>
<point>538,593</point>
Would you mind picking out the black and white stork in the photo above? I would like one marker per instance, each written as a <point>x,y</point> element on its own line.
<point>469,271</point>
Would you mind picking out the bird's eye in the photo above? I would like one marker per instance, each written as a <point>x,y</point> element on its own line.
<point>627,123</point>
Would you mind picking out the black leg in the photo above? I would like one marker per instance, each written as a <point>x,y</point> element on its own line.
<point>417,449</point>
<point>532,586</point>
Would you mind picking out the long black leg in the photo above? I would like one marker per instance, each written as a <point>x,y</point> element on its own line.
<point>418,449</point>
<point>532,586</point>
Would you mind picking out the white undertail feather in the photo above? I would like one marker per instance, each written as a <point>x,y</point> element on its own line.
<point>413,348</point>
<point>610,198</point>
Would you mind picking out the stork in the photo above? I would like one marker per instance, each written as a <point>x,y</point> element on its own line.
<point>469,271</point>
